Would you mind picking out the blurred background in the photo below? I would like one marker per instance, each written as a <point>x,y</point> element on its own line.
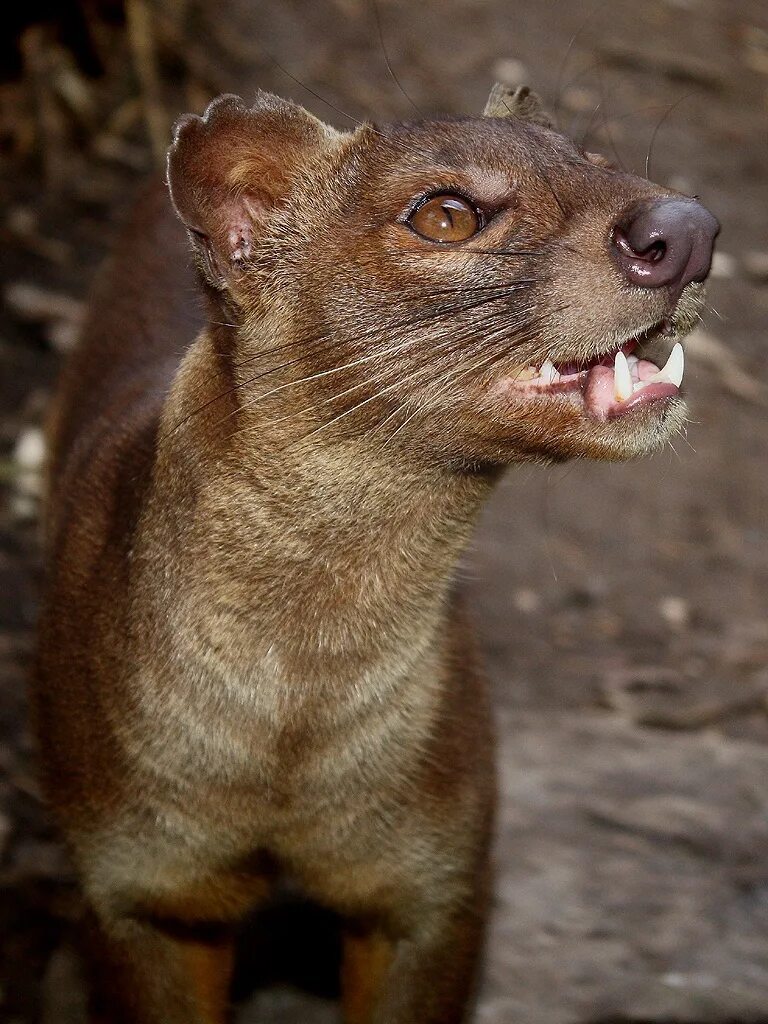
<point>622,609</point>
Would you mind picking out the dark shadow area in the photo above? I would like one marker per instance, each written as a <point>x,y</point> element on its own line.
<point>290,942</point>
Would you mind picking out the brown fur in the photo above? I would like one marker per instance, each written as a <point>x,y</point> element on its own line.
<point>252,663</point>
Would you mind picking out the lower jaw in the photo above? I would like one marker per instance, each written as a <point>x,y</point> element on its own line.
<point>557,424</point>
<point>559,429</point>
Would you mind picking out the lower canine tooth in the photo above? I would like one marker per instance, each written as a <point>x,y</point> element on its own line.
<point>622,378</point>
<point>672,371</point>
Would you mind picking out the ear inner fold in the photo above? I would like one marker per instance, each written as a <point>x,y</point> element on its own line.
<point>520,102</point>
<point>229,168</point>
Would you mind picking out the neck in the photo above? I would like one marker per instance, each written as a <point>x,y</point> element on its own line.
<point>328,544</point>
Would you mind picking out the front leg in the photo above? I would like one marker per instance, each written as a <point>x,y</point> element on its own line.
<point>427,976</point>
<point>163,954</point>
<point>418,962</point>
<point>159,973</point>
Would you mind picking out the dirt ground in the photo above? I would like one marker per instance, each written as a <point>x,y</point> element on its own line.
<point>622,608</point>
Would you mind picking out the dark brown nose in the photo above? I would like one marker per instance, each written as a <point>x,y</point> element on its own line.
<point>666,243</point>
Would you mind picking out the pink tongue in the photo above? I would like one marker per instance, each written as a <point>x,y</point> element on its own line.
<point>601,402</point>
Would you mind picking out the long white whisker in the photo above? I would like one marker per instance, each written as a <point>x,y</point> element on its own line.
<point>452,340</point>
<point>378,394</point>
<point>315,346</point>
<point>490,337</point>
<point>446,378</point>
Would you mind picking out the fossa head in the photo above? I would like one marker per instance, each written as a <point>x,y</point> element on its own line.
<point>473,290</point>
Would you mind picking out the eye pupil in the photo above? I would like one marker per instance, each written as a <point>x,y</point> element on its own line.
<point>445,218</point>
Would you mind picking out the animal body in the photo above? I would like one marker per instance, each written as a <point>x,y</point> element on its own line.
<point>306,365</point>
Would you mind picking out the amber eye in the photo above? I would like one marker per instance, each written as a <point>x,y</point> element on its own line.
<point>445,219</point>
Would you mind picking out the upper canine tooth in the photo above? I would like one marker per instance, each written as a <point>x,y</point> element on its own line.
<point>672,371</point>
<point>548,373</point>
<point>622,378</point>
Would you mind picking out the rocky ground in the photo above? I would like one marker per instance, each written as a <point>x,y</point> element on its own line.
<point>622,608</point>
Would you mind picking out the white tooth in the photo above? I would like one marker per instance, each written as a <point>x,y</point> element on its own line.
<point>675,365</point>
<point>548,373</point>
<point>672,371</point>
<point>622,378</point>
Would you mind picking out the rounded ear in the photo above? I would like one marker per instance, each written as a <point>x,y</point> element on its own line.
<point>228,169</point>
<point>521,102</point>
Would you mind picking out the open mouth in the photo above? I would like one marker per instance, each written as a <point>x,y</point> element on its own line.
<point>611,385</point>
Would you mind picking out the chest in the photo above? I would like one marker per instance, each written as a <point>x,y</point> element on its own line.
<point>263,751</point>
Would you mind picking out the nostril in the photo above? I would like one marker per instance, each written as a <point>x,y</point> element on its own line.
<point>653,253</point>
